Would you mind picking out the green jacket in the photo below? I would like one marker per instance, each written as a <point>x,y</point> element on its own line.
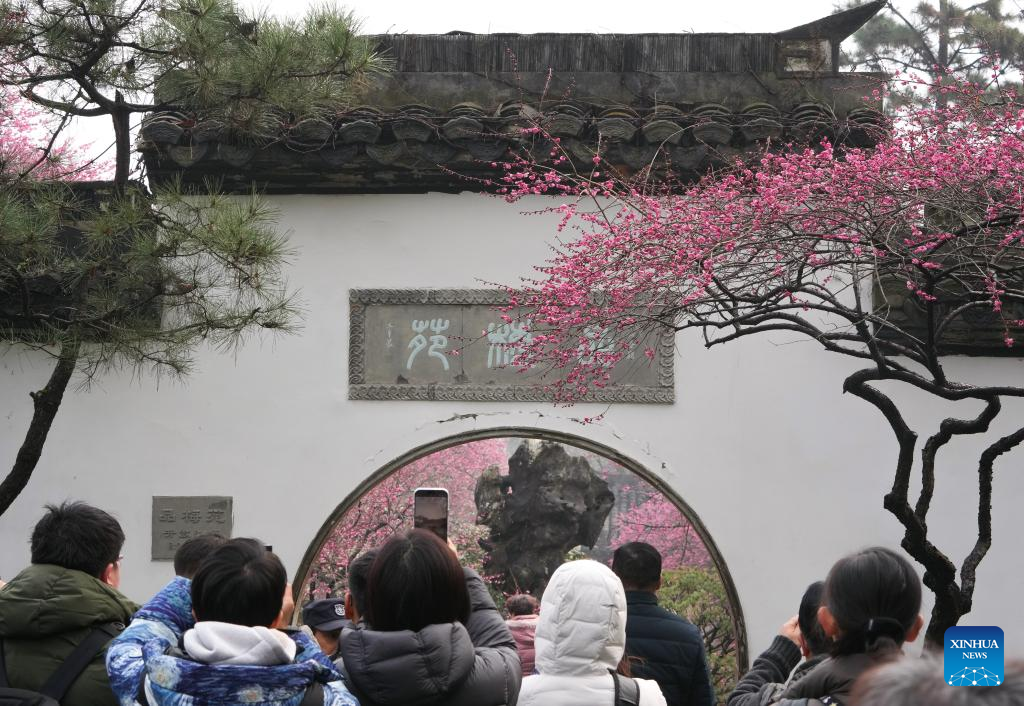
<point>45,611</point>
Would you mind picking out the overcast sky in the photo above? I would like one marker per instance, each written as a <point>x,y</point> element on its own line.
<point>621,16</point>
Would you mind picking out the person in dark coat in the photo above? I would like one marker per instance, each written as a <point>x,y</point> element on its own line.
<point>870,608</point>
<point>70,589</point>
<point>776,669</point>
<point>660,644</point>
<point>431,633</point>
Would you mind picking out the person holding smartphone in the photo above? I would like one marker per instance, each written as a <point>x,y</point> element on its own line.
<point>431,633</point>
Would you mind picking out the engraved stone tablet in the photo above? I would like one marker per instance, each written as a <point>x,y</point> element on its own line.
<point>178,518</point>
<point>453,344</point>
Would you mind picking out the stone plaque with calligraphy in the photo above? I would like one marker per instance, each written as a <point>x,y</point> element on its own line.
<point>452,344</point>
<point>177,518</point>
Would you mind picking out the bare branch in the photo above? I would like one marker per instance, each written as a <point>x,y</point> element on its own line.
<point>984,541</point>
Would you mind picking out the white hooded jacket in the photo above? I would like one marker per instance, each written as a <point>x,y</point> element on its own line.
<point>211,642</point>
<point>580,636</point>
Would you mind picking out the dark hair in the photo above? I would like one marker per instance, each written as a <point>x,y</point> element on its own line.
<point>814,636</point>
<point>77,536</point>
<point>240,583</point>
<point>191,554</point>
<point>638,565</point>
<point>415,581</point>
<point>521,604</point>
<point>358,575</point>
<point>875,597</point>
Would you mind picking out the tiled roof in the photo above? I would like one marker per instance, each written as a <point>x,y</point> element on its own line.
<point>416,148</point>
<point>456,103</point>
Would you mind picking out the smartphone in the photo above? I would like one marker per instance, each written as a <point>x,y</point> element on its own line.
<point>430,511</point>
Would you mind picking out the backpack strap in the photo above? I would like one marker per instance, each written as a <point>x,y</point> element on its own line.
<point>72,667</point>
<point>4,684</point>
<point>314,695</point>
<point>627,691</point>
<point>140,698</point>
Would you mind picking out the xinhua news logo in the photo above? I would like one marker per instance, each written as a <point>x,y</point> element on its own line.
<point>973,656</point>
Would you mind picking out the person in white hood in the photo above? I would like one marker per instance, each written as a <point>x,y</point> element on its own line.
<point>580,641</point>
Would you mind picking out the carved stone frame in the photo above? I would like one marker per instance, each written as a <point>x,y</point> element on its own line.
<point>359,389</point>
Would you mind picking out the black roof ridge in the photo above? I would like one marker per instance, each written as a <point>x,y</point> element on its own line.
<point>837,26</point>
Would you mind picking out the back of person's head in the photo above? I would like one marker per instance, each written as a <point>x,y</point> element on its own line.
<point>871,603</point>
<point>415,581</point>
<point>358,576</point>
<point>638,566</point>
<point>521,604</point>
<point>191,554</point>
<point>240,583</point>
<point>326,615</point>
<point>815,640</point>
<point>582,624</point>
<point>922,682</point>
<point>77,536</point>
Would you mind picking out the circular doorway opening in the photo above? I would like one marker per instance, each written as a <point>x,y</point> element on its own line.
<point>521,503</point>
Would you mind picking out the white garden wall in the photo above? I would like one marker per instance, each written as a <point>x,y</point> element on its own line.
<point>785,471</point>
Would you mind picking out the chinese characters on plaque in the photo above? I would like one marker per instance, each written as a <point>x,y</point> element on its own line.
<point>454,344</point>
<point>178,518</point>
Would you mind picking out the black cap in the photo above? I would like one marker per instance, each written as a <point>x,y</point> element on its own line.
<point>326,614</point>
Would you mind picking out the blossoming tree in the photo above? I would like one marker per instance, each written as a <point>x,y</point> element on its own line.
<point>882,254</point>
<point>31,146</point>
<point>659,522</point>
<point>386,509</point>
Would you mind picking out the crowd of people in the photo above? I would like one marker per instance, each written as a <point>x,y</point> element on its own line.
<point>417,628</point>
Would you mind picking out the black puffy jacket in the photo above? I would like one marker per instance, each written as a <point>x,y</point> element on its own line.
<point>772,673</point>
<point>444,665</point>
<point>669,650</point>
<point>831,682</point>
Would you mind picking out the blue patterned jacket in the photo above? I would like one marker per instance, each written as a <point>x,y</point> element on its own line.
<point>146,651</point>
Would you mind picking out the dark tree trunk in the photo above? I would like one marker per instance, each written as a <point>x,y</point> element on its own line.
<point>941,98</point>
<point>953,599</point>
<point>46,402</point>
<point>940,573</point>
<point>122,141</point>
<point>947,612</point>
